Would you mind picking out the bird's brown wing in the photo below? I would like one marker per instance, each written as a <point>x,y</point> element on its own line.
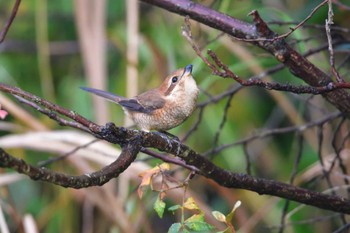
<point>146,102</point>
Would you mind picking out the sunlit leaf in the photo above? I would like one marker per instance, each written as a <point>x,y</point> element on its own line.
<point>197,223</point>
<point>174,207</point>
<point>219,216</point>
<point>159,206</point>
<point>175,228</point>
<point>190,204</point>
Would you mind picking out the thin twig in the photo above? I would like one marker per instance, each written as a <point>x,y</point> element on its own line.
<point>329,22</point>
<point>341,5</point>
<point>310,25</point>
<point>247,159</point>
<point>291,181</point>
<point>320,157</point>
<point>52,114</point>
<point>51,110</point>
<point>292,29</point>
<point>195,125</point>
<point>168,159</point>
<point>278,131</point>
<point>9,21</point>
<point>285,35</point>
<point>187,33</point>
<point>227,73</point>
<point>223,121</point>
<point>300,89</point>
<point>65,155</point>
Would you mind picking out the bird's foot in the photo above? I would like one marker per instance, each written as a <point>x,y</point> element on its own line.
<point>169,135</point>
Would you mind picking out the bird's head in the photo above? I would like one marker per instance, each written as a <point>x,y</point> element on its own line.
<point>179,84</point>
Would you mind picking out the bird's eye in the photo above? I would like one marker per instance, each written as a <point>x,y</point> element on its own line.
<point>174,79</point>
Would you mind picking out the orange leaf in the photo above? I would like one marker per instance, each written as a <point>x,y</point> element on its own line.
<point>148,175</point>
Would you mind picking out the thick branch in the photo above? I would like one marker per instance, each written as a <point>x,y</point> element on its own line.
<point>261,35</point>
<point>133,140</point>
<point>227,178</point>
<point>107,173</point>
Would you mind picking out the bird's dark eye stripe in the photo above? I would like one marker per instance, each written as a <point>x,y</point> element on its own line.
<point>174,79</point>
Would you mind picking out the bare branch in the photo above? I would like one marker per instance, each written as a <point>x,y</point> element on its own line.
<point>297,64</point>
<point>292,29</point>
<point>9,21</point>
<point>51,109</point>
<point>341,5</point>
<point>52,114</point>
<point>227,73</point>
<point>328,24</point>
<point>107,173</point>
<point>65,155</point>
<point>271,132</point>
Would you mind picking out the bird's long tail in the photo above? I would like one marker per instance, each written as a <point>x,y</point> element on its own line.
<point>107,95</point>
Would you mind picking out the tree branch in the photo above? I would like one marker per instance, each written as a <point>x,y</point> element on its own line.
<point>259,34</point>
<point>132,141</point>
<point>101,177</point>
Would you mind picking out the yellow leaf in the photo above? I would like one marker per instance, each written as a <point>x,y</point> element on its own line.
<point>190,204</point>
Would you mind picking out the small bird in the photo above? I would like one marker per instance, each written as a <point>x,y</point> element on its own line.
<point>162,108</point>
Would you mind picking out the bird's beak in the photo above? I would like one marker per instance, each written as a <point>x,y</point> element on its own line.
<point>187,70</point>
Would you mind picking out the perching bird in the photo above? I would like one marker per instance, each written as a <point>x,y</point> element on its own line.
<point>162,108</point>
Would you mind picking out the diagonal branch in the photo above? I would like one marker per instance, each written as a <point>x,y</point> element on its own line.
<point>262,36</point>
<point>132,141</point>
<point>100,177</point>
<point>50,109</point>
<point>227,73</point>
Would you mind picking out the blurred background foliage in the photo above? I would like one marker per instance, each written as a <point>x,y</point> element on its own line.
<point>42,54</point>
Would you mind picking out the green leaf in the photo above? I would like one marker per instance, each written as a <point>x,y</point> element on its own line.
<point>197,223</point>
<point>175,228</point>
<point>159,207</point>
<point>174,207</point>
